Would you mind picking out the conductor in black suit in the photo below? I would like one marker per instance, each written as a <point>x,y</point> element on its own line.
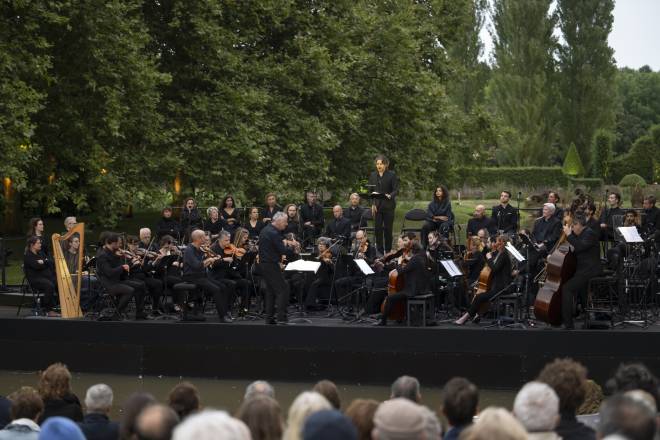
<point>585,244</point>
<point>385,182</point>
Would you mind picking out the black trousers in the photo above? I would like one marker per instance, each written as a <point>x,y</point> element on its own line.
<point>126,290</point>
<point>46,287</point>
<point>480,300</point>
<point>383,223</point>
<point>428,226</point>
<point>318,289</point>
<point>276,287</point>
<point>391,301</point>
<point>154,287</point>
<point>575,288</point>
<point>213,290</point>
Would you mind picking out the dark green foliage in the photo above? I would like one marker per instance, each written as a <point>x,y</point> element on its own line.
<point>639,160</point>
<point>601,152</point>
<point>572,163</point>
<point>514,176</point>
<point>631,180</point>
<point>590,183</point>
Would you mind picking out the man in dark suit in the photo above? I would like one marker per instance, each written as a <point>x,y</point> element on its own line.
<point>585,244</point>
<point>504,217</point>
<point>417,281</point>
<point>339,227</point>
<point>311,217</point>
<point>97,425</point>
<point>547,229</point>
<point>386,184</point>
<point>607,217</point>
<point>355,214</point>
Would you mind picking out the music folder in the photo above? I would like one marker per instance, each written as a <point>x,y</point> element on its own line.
<point>303,266</point>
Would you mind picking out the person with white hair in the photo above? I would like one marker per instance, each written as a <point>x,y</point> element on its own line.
<point>69,223</point>
<point>400,419</point>
<point>406,387</point>
<point>259,388</point>
<point>211,425</point>
<point>97,424</point>
<point>537,408</point>
<point>145,239</point>
<point>547,229</point>
<point>495,424</point>
<point>306,404</point>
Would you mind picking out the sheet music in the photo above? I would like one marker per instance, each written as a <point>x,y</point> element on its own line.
<point>303,266</point>
<point>514,253</point>
<point>364,267</point>
<point>630,234</point>
<point>451,268</point>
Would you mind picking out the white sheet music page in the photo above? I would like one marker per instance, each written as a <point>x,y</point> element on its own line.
<point>303,266</point>
<point>364,267</point>
<point>630,234</point>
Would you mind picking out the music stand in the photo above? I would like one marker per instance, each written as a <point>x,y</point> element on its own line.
<point>302,266</point>
<point>454,272</point>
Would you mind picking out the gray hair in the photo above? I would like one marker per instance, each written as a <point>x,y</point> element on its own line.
<point>211,425</point>
<point>257,388</point>
<point>406,387</point>
<point>306,404</point>
<point>278,216</point>
<point>432,427</point>
<point>537,407</point>
<point>551,207</point>
<point>98,398</point>
<point>210,209</point>
<point>224,234</point>
<point>69,219</point>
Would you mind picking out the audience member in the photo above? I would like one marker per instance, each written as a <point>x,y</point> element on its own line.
<point>55,390</point>
<point>211,425</point>
<point>156,422</point>
<point>184,399</point>
<point>361,412</point>
<point>634,377</point>
<point>460,400</point>
<point>432,426</point>
<point>26,407</point>
<point>328,390</point>
<point>96,424</point>
<point>133,406</point>
<point>643,397</point>
<point>5,406</point>
<point>263,417</point>
<point>328,424</point>
<point>568,378</point>
<point>536,406</point>
<point>406,387</point>
<point>60,428</point>
<point>306,404</point>
<point>495,424</point>
<point>593,398</point>
<point>259,387</point>
<point>623,415</point>
<point>399,418</point>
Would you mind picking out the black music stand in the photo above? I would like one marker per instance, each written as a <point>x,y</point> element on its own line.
<point>303,267</point>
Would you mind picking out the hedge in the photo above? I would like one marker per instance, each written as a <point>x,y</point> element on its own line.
<point>639,160</point>
<point>514,176</point>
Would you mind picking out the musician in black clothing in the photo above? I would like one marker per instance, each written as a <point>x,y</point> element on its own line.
<point>311,217</point>
<point>439,216</point>
<point>112,272</point>
<point>271,208</point>
<point>355,214</point>
<point>478,221</point>
<point>168,268</point>
<point>168,226</point>
<point>592,221</point>
<point>500,264</point>
<point>322,282</point>
<point>504,217</point>
<point>607,225</point>
<point>39,273</point>
<point>191,219</point>
<point>651,218</point>
<point>225,272</point>
<point>630,219</point>
<point>293,221</point>
<point>230,214</point>
<point>553,197</point>
<point>383,182</point>
<point>416,281</point>
<point>272,246</point>
<point>585,244</point>
<point>36,229</point>
<point>142,268</point>
<point>339,228</point>
<point>195,263</point>
<point>254,225</point>
<point>360,249</point>
<point>546,230</point>
<point>213,224</point>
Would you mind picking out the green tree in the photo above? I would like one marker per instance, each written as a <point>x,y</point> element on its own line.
<point>520,90</point>
<point>587,72</point>
<point>601,153</point>
<point>573,166</point>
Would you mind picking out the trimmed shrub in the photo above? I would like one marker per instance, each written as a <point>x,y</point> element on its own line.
<point>631,180</point>
<point>572,163</point>
<point>601,152</point>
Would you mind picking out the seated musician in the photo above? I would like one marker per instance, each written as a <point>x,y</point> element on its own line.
<point>416,280</point>
<point>293,225</point>
<point>478,221</point>
<point>592,221</point>
<point>145,240</point>
<point>361,248</point>
<point>651,220</point>
<point>39,273</point>
<point>546,230</point>
<point>311,217</point>
<point>195,262</point>
<point>271,208</point>
<point>500,265</point>
<point>254,224</point>
<point>630,219</point>
<point>36,229</point>
<point>607,225</point>
<point>225,272</point>
<point>143,266</point>
<point>168,269</point>
<point>112,273</point>
<point>213,224</point>
<point>553,197</point>
<point>504,217</point>
<point>439,216</point>
<point>476,255</point>
<point>87,281</point>
<point>339,228</point>
<point>586,247</point>
<point>69,223</point>
<point>355,214</point>
<point>229,214</point>
<point>383,266</point>
<point>167,225</point>
<point>322,282</point>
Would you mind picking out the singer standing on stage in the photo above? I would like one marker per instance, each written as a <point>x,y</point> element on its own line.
<point>385,182</point>
<point>504,216</point>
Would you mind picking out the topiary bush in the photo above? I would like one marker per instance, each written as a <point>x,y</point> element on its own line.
<point>631,180</point>
<point>572,163</point>
<point>639,160</point>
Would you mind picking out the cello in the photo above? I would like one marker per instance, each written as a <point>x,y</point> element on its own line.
<point>485,278</point>
<point>396,283</point>
<point>560,267</point>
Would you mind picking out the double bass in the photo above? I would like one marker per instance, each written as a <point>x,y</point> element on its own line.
<point>396,283</point>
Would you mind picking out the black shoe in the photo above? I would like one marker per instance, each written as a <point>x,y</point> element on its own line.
<point>224,320</point>
<point>270,321</point>
<point>141,316</point>
<point>228,318</point>
<point>476,319</point>
<point>379,324</point>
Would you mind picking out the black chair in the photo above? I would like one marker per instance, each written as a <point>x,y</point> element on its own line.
<point>427,303</point>
<point>415,215</point>
<point>602,299</point>
<point>26,288</point>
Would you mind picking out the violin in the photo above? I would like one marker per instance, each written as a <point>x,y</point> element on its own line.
<point>326,256</point>
<point>208,253</point>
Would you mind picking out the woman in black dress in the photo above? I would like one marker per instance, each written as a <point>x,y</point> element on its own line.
<point>229,214</point>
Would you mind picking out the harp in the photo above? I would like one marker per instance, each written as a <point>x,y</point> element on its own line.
<point>68,290</point>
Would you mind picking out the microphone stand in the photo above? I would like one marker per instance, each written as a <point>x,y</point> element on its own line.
<point>331,312</point>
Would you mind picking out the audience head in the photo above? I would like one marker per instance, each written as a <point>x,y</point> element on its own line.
<point>568,378</point>
<point>99,399</point>
<point>60,428</point>
<point>593,397</point>
<point>621,414</point>
<point>306,404</point>
<point>406,387</point>
<point>263,417</point>
<point>328,390</point>
<point>133,406</point>
<point>156,422</point>
<point>361,412</point>
<point>26,403</point>
<point>537,407</point>
<point>495,424</point>
<point>432,426</point>
<point>460,399</point>
<point>55,382</point>
<point>211,425</point>
<point>399,419</point>
<point>328,424</point>
<point>258,388</point>
<point>184,399</point>
<point>634,377</point>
